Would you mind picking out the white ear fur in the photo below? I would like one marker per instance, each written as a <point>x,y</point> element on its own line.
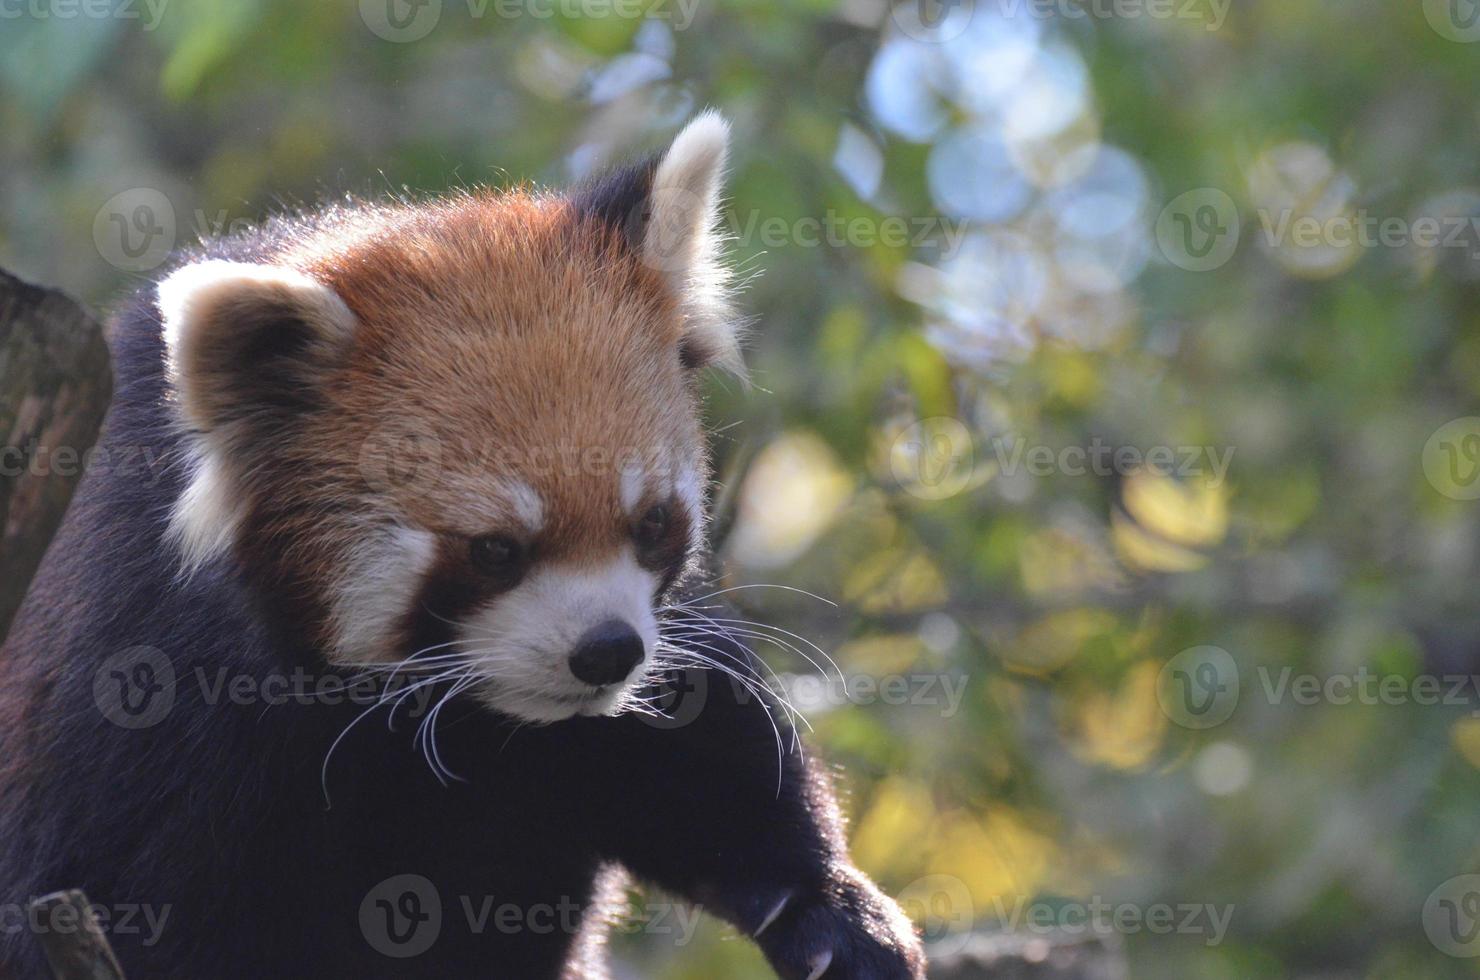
<point>682,239</point>
<point>194,301</point>
<point>209,312</point>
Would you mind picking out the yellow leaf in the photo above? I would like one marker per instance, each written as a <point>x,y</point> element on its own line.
<point>1148,552</point>
<point>1194,513</point>
<point>793,492</point>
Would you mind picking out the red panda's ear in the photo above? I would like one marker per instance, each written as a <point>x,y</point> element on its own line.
<point>681,239</point>
<point>247,349</point>
<point>248,342</point>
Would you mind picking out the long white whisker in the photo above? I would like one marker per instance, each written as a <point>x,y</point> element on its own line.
<point>427,731</point>
<point>764,585</point>
<point>747,627</point>
<point>775,687</point>
<point>755,692</point>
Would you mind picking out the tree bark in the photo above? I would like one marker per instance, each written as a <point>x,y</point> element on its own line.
<point>76,948</point>
<point>55,385</point>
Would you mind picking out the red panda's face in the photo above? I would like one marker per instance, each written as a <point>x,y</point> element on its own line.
<point>465,432</point>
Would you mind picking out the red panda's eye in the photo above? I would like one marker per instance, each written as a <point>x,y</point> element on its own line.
<point>496,554</point>
<point>653,524</point>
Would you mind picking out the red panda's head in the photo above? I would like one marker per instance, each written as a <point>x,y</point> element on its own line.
<point>472,422</point>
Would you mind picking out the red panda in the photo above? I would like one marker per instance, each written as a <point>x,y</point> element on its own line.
<point>456,442</point>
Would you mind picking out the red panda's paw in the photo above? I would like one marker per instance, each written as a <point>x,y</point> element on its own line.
<point>848,931</point>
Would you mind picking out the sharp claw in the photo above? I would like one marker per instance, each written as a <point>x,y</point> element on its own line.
<point>819,964</point>
<point>772,915</point>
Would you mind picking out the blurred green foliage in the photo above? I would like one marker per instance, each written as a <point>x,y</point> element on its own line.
<point>1041,299</point>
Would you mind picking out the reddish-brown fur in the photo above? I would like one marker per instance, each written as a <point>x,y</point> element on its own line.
<point>499,333</point>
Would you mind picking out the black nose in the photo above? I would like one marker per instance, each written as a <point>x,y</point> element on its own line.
<point>607,653</point>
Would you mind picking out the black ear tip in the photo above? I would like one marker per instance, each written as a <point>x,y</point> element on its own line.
<point>620,198</point>
<point>691,353</point>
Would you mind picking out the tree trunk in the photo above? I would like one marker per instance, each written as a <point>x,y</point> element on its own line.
<point>54,388</point>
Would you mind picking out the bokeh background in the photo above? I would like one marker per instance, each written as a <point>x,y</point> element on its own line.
<point>1115,364</point>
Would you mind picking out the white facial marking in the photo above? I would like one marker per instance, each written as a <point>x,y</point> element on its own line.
<point>690,491</point>
<point>528,507</point>
<point>531,631</point>
<point>206,515</point>
<point>379,581</point>
<point>634,481</point>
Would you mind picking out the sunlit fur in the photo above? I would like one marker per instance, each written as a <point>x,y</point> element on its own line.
<point>343,401</point>
<point>521,361</point>
<point>526,635</point>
